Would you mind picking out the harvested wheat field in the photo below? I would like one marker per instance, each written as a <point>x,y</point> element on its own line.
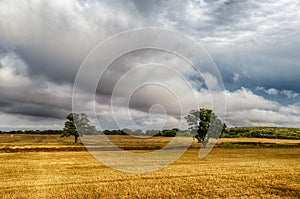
<point>224,173</point>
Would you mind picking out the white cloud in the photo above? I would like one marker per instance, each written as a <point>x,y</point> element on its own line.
<point>274,91</point>
<point>25,122</point>
<point>236,77</point>
<point>244,108</point>
<point>290,94</point>
<point>245,99</point>
<point>12,71</point>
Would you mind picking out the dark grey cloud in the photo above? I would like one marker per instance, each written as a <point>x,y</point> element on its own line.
<point>145,7</point>
<point>37,110</point>
<point>54,68</point>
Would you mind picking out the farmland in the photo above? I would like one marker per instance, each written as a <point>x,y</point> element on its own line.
<point>225,172</point>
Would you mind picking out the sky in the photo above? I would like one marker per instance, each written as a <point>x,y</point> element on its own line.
<point>254,45</point>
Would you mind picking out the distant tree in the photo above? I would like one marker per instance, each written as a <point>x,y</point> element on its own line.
<point>106,132</point>
<point>176,129</point>
<point>70,127</point>
<point>116,132</point>
<point>127,131</point>
<point>83,124</point>
<point>167,133</point>
<point>152,132</point>
<point>138,132</point>
<point>200,121</point>
<point>77,125</point>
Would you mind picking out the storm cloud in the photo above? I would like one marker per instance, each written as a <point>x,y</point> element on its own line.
<point>255,45</point>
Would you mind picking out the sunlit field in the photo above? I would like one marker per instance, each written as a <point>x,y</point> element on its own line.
<point>224,173</point>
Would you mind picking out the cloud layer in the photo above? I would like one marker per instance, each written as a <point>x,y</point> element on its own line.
<point>255,45</point>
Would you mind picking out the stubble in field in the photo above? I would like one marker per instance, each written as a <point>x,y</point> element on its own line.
<point>231,173</point>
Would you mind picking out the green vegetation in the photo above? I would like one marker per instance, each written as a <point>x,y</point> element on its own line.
<point>262,132</point>
<point>237,132</point>
<point>167,133</point>
<point>256,145</point>
<point>205,124</point>
<point>77,125</point>
<point>138,132</point>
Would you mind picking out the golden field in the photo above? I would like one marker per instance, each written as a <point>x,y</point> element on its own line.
<point>224,173</point>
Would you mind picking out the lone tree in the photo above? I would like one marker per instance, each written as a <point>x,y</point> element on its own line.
<point>77,125</point>
<point>200,121</point>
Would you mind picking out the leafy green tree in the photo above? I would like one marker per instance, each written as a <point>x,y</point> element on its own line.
<point>200,121</point>
<point>83,124</point>
<point>70,127</point>
<point>167,133</point>
<point>77,125</point>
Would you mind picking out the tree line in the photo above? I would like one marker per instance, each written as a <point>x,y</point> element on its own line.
<point>203,124</point>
